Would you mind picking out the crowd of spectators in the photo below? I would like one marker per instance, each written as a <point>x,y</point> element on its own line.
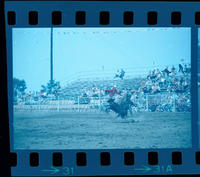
<point>166,89</point>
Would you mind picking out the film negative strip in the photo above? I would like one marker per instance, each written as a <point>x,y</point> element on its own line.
<point>102,88</point>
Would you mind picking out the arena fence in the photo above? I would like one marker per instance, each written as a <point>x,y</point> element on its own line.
<point>143,103</point>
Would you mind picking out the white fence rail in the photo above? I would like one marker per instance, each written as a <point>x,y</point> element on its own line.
<point>151,103</point>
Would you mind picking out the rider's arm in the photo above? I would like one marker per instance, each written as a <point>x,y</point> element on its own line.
<point>117,92</point>
<point>108,90</point>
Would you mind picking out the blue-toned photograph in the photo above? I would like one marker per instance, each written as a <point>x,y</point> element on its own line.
<point>101,88</point>
<point>198,72</point>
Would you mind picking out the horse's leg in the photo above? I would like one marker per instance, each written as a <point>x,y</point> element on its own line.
<point>107,110</point>
<point>130,110</point>
<point>123,113</point>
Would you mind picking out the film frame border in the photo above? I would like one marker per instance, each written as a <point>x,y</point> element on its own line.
<point>194,53</point>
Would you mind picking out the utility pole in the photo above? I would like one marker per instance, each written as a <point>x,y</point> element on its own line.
<point>51,60</point>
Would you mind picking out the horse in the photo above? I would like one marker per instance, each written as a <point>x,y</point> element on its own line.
<point>121,108</point>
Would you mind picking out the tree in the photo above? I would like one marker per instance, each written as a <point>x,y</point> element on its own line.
<point>19,86</point>
<point>44,89</point>
<point>51,88</point>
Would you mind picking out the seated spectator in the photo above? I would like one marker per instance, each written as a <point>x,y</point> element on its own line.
<point>122,73</point>
<point>173,69</point>
<point>181,66</point>
<point>187,69</point>
<point>149,75</point>
<point>162,82</point>
<point>84,95</point>
<point>117,74</point>
<point>166,71</point>
<point>153,75</point>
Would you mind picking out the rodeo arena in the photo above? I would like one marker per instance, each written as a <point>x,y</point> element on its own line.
<point>122,109</point>
<point>161,90</point>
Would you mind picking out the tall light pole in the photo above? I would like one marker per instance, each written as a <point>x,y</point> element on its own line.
<point>51,60</point>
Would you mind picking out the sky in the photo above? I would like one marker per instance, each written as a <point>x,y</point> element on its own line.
<point>90,52</point>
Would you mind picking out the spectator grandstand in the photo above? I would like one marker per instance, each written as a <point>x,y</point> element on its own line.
<point>161,89</point>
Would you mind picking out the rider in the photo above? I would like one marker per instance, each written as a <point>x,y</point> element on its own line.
<point>112,91</point>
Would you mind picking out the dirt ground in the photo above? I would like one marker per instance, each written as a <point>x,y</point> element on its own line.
<point>101,131</point>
